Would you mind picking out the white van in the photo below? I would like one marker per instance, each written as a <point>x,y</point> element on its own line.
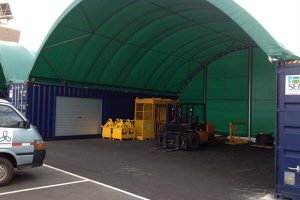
<point>21,145</point>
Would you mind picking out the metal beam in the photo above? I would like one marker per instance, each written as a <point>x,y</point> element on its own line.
<point>205,93</point>
<point>250,78</point>
<point>66,41</point>
<point>70,83</point>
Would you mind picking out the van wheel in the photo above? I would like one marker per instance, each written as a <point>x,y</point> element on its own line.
<point>6,171</point>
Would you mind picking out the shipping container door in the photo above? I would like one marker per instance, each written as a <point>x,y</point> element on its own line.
<point>78,116</point>
<point>288,136</point>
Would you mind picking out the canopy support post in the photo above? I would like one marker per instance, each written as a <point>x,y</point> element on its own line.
<point>205,92</point>
<point>250,71</point>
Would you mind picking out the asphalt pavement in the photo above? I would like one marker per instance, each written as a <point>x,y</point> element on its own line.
<point>105,169</point>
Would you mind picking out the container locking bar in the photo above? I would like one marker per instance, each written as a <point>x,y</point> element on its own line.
<point>295,169</point>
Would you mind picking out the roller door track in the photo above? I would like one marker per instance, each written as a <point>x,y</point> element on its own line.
<point>77,116</point>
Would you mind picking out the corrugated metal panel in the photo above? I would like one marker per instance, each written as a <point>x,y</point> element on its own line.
<point>288,132</point>
<point>78,116</point>
<point>17,95</point>
<point>41,100</point>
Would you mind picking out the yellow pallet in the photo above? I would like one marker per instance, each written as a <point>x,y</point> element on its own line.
<point>143,138</point>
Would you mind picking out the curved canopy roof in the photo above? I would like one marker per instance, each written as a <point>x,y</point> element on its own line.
<point>16,63</point>
<point>146,44</point>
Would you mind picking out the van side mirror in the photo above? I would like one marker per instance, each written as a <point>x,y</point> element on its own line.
<point>27,124</point>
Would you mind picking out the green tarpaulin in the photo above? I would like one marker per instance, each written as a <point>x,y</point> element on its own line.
<point>156,45</point>
<point>16,63</point>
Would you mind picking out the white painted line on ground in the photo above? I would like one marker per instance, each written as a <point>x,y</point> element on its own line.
<point>43,187</point>
<point>98,183</point>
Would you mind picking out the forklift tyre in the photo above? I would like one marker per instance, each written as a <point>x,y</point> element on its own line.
<point>212,139</point>
<point>193,142</point>
<point>158,141</point>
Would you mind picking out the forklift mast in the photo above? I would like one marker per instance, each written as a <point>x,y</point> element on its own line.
<point>184,113</point>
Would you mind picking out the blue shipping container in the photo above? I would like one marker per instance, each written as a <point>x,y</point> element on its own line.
<point>288,132</point>
<point>38,102</point>
<point>3,94</point>
<point>17,95</point>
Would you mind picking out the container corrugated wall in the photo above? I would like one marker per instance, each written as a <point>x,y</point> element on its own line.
<point>18,96</point>
<point>3,94</point>
<point>41,110</point>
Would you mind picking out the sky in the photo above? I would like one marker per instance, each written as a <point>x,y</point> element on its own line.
<point>34,18</point>
<point>279,17</point>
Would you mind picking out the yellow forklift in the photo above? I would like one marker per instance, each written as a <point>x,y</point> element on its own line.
<point>184,130</point>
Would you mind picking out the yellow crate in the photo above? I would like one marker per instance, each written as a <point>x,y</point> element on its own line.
<point>107,129</point>
<point>138,128</point>
<point>129,125</point>
<point>148,113</point>
<point>106,132</point>
<point>119,134</point>
<point>130,134</point>
<point>144,129</point>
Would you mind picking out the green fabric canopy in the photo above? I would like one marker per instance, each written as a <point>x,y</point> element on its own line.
<point>158,45</point>
<point>254,29</point>
<point>16,63</point>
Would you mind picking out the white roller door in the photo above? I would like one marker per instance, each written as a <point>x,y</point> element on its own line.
<point>77,116</point>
